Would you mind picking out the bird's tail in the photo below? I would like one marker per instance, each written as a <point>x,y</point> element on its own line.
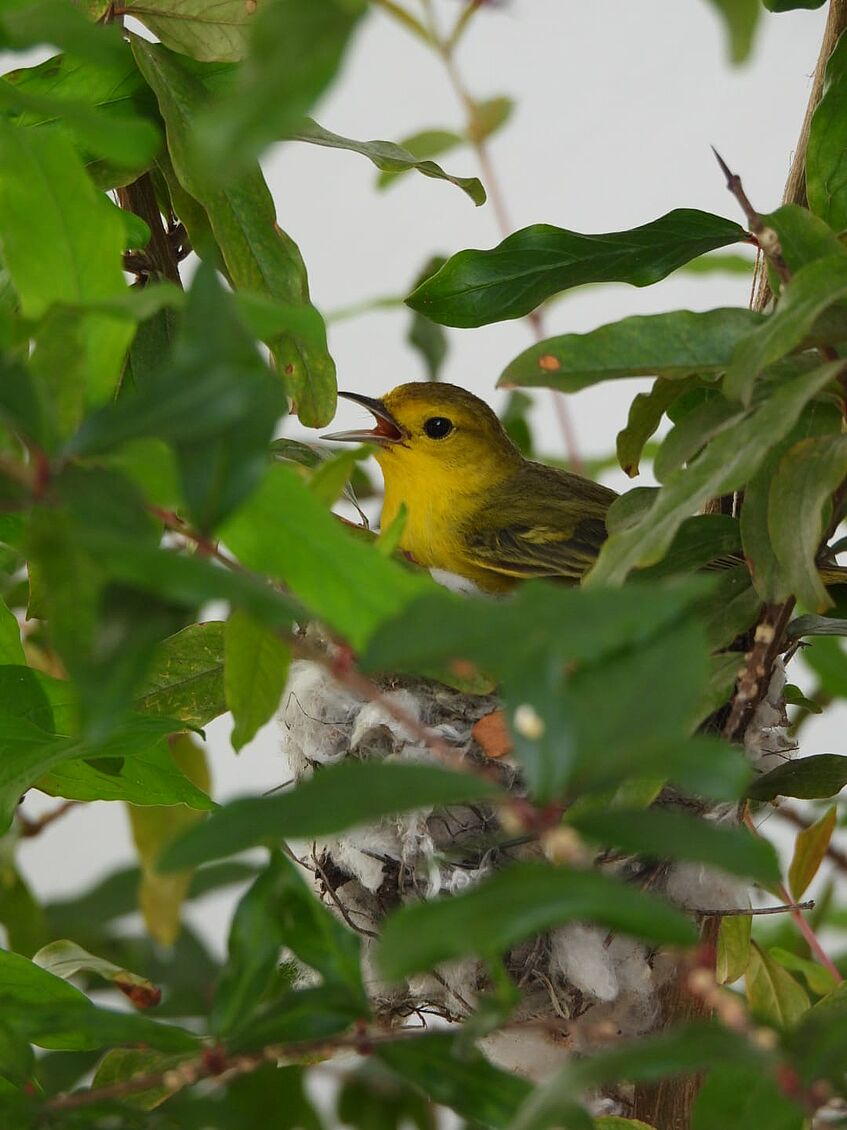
<point>833,574</point>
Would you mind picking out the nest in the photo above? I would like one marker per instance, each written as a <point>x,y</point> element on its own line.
<point>579,985</point>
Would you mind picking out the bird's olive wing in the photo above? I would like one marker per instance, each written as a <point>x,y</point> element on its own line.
<point>522,550</point>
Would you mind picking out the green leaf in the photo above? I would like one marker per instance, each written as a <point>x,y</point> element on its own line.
<point>809,852</point>
<point>204,31</point>
<point>188,580</point>
<point>160,897</point>
<point>474,288</point>
<point>766,567</point>
<point>343,581</point>
<point>147,776</point>
<point>584,626</point>
<point>533,641</point>
<point>31,24</point>
<point>66,959</point>
<point>107,112</point>
<point>457,1077</point>
<point>772,993</point>
<point>798,509</point>
<point>671,346</point>
<point>515,904</point>
<point>819,979</point>
<point>802,626</point>
<point>733,952</point>
<point>693,431</point>
<point>216,403</point>
<point>253,950</point>
<point>22,401</point>
<point>23,919</point>
<point>645,415</point>
<point>53,1014</point>
<point>826,164</point>
<point>794,697</point>
<point>17,1060</point>
<point>424,145</point>
<point>387,156</point>
<point>667,834</point>
<point>726,464</point>
<point>651,1058</point>
<point>427,337</point>
<point>255,670</point>
<point>246,1100</point>
<point>489,116</point>
<point>803,237</point>
<point>699,541</point>
<point>809,778</point>
<point>373,1098</point>
<point>741,17</point>
<point>62,249</point>
<point>735,1098</point>
<point>791,5</point>
<point>259,257</point>
<point>338,797</point>
<point>185,680</point>
<point>296,48</point>
<point>811,291</point>
<point>11,648</point>
<point>26,752</point>
<point>120,1064</point>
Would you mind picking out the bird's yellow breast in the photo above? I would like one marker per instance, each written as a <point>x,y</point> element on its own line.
<point>439,503</point>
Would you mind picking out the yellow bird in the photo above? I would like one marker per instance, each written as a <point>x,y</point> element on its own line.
<point>474,505</point>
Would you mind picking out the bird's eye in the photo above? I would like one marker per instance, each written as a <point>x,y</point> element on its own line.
<point>437,427</point>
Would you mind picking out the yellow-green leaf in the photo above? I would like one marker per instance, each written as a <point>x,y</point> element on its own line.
<point>733,954</point>
<point>809,851</point>
<point>161,896</point>
<point>772,993</point>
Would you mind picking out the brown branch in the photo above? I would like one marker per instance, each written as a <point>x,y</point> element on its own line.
<point>737,912</point>
<point>754,679</point>
<point>29,828</point>
<point>162,253</point>
<point>766,237</point>
<point>475,133</point>
<point>215,1062</point>
<point>795,186</point>
<point>801,923</point>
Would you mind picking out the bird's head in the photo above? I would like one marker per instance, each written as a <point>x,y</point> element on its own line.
<point>427,430</point>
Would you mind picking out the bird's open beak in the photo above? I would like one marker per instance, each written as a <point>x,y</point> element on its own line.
<point>386,432</point>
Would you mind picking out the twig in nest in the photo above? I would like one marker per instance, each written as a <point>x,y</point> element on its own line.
<point>783,908</point>
<point>342,909</point>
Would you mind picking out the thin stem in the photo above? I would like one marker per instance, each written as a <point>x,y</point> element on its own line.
<point>802,924</point>
<point>475,133</point>
<point>29,828</point>
<point>216,1063</point>
<point>737,912</point>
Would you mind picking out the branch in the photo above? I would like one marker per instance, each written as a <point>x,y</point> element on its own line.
<point>215,1062</point>
<point>766,237</point>
<point>795,186</point>
<point>29,828</point>
<point>475,133</point>
<point>163,250</point>
<point>754,679</point>
<point>734,912</point>
<point>802,924</point>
